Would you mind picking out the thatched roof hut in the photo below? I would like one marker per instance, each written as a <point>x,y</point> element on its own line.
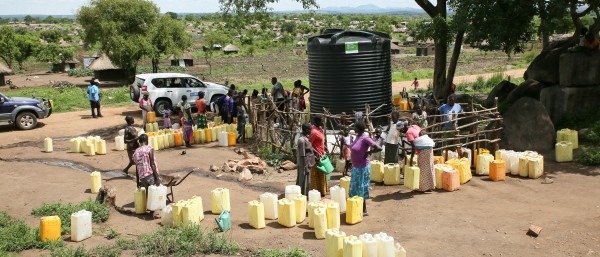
<point>4,70</point>
<point>396,41</point>
<point>185,60</point>
<point>64,66</point>
<point>231,49</point>
<point>104,69</point>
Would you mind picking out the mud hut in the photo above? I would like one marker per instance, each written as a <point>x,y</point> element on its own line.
<point>4,70</point>
<point>64,66</point>
<point>231,49</point>
<point>186,60</point>
<point>104,69</point>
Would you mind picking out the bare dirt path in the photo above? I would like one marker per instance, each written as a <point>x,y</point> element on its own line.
<point>482,218</point>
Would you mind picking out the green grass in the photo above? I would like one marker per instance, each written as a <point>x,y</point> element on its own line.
<point>16,236</point>
<point>64,210</point>
<point>293,252</point>
<point>482,85</point>
<point>185,242</point>
<point>69,98</point>
<point>408,76</point>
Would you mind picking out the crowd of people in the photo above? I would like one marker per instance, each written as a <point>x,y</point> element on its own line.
<point>357,145</point>
<point>359,148</point>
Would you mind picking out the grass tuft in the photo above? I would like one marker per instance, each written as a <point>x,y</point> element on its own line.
<point>64,210</point>
<point>293,252</point>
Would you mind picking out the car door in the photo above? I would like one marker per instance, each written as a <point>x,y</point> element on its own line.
<point>6,108</point>
<point>179,88</point>
<point>196,86</point>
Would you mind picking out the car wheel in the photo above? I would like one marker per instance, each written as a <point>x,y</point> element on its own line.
<point>213,100</point>
<point>161,106</point>
<point>26,120</point>
<point>134,93</point>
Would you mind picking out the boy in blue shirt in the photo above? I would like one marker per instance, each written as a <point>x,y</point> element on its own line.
<point>94,97</point>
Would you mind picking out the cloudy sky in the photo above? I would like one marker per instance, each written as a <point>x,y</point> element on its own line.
<point>68,7</point>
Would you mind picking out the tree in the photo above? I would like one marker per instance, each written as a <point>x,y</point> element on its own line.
<point>27,45</point>
<point>50,19</point>
<point>52,36</point>
<point>55,53</point>
<point>189,17</point>
<point>122,28</point>
<point>8,45</point>
<point>28,19</point>
<point>168,37</point>
<point>210,39</point>
<point>289,27</point>
<point>172,15</point>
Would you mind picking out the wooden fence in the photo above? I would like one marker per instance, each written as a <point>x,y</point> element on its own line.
<point>474,127</point>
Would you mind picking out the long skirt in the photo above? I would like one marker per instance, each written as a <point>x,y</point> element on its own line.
<point>425,162</point>
<point>144,118</point>
<point>359,183</point>
<point>391,153</point>
<point>318,180</point>
<point>187,129</point>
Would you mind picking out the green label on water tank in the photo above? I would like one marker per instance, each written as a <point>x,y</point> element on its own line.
<point>351,47</point>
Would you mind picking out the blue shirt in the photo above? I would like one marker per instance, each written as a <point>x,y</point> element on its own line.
<point>446,109</point>
<point>93,93</point>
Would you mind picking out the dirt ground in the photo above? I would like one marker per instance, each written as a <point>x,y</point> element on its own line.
<point>482,218</point>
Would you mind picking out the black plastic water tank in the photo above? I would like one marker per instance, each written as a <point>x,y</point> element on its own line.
<point>348,69</point>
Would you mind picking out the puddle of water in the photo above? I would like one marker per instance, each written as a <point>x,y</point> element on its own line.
<point>116,174</point>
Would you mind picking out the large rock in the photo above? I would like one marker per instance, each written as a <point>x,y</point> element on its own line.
<point>529,88</point>
<point>560,101</point>
<point>544,67</point>
<point>580,69</point>
<point>501,91</point>
<point>527,126</point>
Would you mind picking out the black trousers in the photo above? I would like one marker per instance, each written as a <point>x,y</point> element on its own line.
<point>95,105</point>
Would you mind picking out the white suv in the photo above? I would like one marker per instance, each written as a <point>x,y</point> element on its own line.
<point>166,89</point>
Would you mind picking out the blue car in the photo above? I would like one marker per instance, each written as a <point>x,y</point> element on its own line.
<point>23,111</point>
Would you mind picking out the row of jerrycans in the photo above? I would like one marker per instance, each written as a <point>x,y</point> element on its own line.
<point>191,211</point>
<point>81,227</point>
<point>338,244</point>
<point>322,213</point>
<point>88,145</point>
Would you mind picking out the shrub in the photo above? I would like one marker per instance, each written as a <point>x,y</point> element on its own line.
<point>579,120</point>
<point>64,210</point>
<point>80,73</point>
<point>590,155</point>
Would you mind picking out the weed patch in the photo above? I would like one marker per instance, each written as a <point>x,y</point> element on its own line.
<point>64,210</point>
<point>293,252</point>
<point>185,242</point>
